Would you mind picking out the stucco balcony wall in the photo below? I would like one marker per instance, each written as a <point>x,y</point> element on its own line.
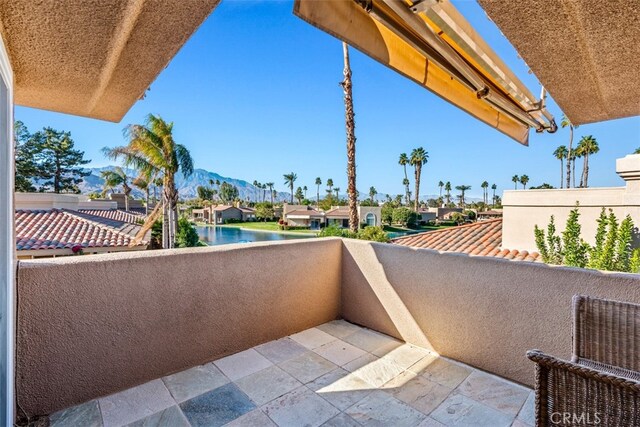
<point>93,325</point>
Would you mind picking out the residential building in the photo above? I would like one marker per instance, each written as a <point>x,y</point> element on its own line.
<point>309,218</point>
<point>490,214</point>
<point>369,215</point>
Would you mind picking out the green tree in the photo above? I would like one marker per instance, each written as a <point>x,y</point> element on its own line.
<point>419,157</point>
<point>114,178</point>
<point>271,192</point>
<point>152,150</point>
<point>386,215</point>
<point>571,156</point>
<point>25,158</point>
<point>485,192</point>
<point>440,184</point>
<point>228,193</point>
<point>59,164</point>
<point>337,191</point>
<point>186,236</point>
<point>494,187</point>
<point>637,151</point>
<point>204,193</point>
<point>305,191</point>
<point>329,186</point>
<point>318,184</point>
<point>447,188</point>
<point>515,179</point>
<point>463,189</point>
<point>561,153</point>
<point>289,180</point>
<point>524,179</point>
<point>299,195</point>
<point>575,249</point>
<point>372,194</point>
<point>404,216</point>
<point>404,161</point>
<point>264,211</point>
<point>586,147</point>
<point>374,234</point>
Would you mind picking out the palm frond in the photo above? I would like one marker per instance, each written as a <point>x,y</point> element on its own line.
<point>184,159</point>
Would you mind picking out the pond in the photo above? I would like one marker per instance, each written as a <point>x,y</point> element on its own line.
<point>225,235</point>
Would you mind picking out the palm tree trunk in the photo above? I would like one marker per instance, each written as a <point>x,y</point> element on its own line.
<point>569,154</point>
<point>573,171</point>
<point>170,200</point>
<point>585,172</point>
<point>561,172</point>
<point>146,207</point>
<point>318,197</point>
<point>350,126</point>
<point>406,186</point>
<point>291,187</point>
<point>418,167</point>
<point>126,201</point>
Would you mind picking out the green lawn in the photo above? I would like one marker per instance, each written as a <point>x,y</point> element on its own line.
<point>266,226</point>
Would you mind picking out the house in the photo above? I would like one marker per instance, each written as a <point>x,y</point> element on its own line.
<point>224,213</point>
<point>369,215</point>
<point>200,215</point>
<point>248,214</point>
<point>490,214</point>
<point>309,218</point>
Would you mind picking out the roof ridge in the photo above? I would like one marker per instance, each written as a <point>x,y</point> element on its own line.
<point>101,224</point>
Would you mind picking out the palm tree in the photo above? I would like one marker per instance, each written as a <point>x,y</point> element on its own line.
<point>144,184</point>
<point>350,126</point>
<point>524,179</point>
<point>256,189</point>
<point>485,192</point>
<point>318,184</point>
<point>270,185</point>
<point>637,151</point>
<point>372,194</point>
<point>462,189</point>
<point>494,187</point>
<point>404,161</point>
<point>587,146</point>
<point>561,153</point>
<point>570,155</point>
<point>152,149</point>
<point>418,158</point>
<point>575,154</point>
<point>115,177</point>
<point>440,184</point>
<point>330,186</point>
<point>337,190</point>
<point>515,179</point>
<point>299,195</point>
<point>290,179</point>
<point>305,191</point>
<point>447,188</point>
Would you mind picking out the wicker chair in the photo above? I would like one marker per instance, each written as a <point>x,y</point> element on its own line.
<point>601,383</point>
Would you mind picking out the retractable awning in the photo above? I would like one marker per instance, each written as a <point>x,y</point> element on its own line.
<point>431,43</point>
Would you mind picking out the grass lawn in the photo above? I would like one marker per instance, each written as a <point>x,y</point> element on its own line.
<point>266,226</point>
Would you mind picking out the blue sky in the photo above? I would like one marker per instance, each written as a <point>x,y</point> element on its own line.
<point>254,94</point>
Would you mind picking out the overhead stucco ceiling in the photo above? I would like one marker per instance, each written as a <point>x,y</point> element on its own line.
<point>93,58</point>
<point>585,52</point>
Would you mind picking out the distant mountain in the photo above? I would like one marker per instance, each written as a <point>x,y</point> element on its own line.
<point>187,188</point>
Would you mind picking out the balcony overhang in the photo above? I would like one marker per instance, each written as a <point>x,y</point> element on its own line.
<point>585,53</point>
<point>432,44</point>
<point>93,58</point>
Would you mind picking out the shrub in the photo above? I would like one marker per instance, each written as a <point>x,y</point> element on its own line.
<point>186,236</point>
<point>375,234</point>
<point>404,216</point>
<point>334,231</point>
<point>457,218</point>
<point>471,215</point>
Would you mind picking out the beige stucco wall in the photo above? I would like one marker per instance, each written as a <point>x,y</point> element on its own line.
<point>90,326</point>
<point>524,209</point>
<point>483,311</point>
<point>376,210</point>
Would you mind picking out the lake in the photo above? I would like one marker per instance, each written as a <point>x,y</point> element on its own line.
<point>225,235</point>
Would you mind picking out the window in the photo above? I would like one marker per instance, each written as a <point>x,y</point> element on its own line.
<point>371,219</point>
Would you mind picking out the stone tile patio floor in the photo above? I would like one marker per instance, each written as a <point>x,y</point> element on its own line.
<point>336,374</point>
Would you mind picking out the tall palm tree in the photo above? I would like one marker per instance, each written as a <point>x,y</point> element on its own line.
<point>463,189</point>
<point>290,179</point>
<point>256,190</point>
<point>575,155</point>
<point>561,153</point>
<point>447,188</point>
<point>305,191</point>
<point>485,193</point>
<point>318,184</point>
<point>330,185</point>
<point>524,179</point>
<point>350,126</point>
<point>404,161</point>
<point>440,184</point>
<point>270,185</point>
<point>115,177</point>
<point>152,149</point>
<point>494,187</point>
<point>372,194</point>
<point>264,192</point>
<point>144,184</point>
<point>337,191</point>
<point>570,155</point>
<point>213,192</point>
<point>419,157</point>
<point>515,179</point>
<point>587,146</point>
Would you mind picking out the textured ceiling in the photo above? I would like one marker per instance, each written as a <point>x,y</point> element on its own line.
<point>585,52</point>
<point>93,58</point>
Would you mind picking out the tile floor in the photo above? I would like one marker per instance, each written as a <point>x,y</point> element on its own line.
<point>336,374</point>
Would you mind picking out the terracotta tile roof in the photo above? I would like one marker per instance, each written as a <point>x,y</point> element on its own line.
<point>305,212</point>
<point>340,212</point>
<point>220,208</point>
<point>116,214</point>
<point>482,238</point>
<point>63,229</point>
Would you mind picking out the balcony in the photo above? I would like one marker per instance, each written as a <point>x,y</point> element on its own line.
<point>248,334</point>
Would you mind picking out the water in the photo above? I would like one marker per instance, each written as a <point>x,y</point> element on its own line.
<point>225,235</point>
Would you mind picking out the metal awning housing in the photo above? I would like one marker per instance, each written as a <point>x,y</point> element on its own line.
<point>431,43</point>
